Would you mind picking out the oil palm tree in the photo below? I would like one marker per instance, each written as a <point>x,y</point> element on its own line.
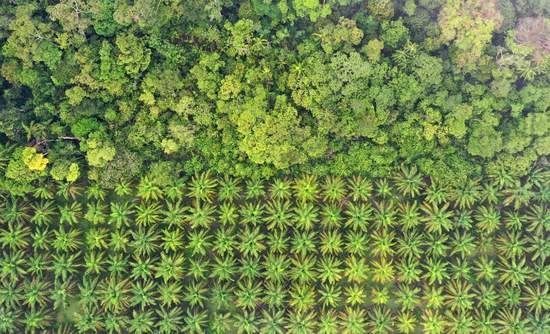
<point>254,188</point>
<point>200,215</point>
<point>353,320</point>
<point>169,320</point>
<point>279,215</point>
<point>147,190</point>
<point>333,189</point>
<point>331,216</point>
<point>409,182</point>
<point>15,237</point>
<point>306,215</point>
<point>148,214</point>
<point>230,190</point>
<point>359,216</point>
<point>360,188</point>
<point>280,189</point>
<point>175,190</point>
<point>120,213</point>
<point>306,188</point>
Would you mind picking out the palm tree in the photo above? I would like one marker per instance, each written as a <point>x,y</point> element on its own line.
<point>227,213</point>
<point>169,267</point>
<point>230,189</point>
<point>148,214</point>
<point>195,322</point>
<point>380,321</point>
<point>70,213</point>
<point>300,323</point>
<point>148,190</point>
<point>459,296</point>
<point>486,296</point>
<point>355,295</point>
<point>272,322</point>
<point>95,192</point>
<point>383,188</point>
<point>409,215</point>
<point>331,216</point>
<point>9,320</point>
<point>169,294</point>
<point>436,193</point>
<point>142,294</point>
<point>433,322</point>
<point>306,215</point>
<point>511,321</point>
<point>360,188</point>
<point>279,215</point>
<point>334,189</point>
<point>250,268</point>
<point>224,242</point>
<point>95,213</point>
<point>251,242</point>
<point>274,295</point>
<point>252,213</point>
<point>410,245</point>
<point>120,213</point>
<point>331,243</point>
<point>175,190</point>
<point>466,195</point>
<point>306,188</point>
<point>408,270</point>
<point>144,241</point>
<point>330,296</point>
<point>200,215</point>
<point>281,190</point>
<point>359,216</point>
<point>488,219</point>
<point>356,269</point>
<point>514,271</point>
<point>437,219</point>
<point>409,182</point>
<point>114,295</point>
<point>328,323</point>
<point>303,269</point>
<point>303,243</point>
<point>302,297</point>
<point>15,237</point>
<point>329,269</point>
<point>406,322</point>
<point>141,322</point>
<point>123,188</point>
<point>198,242</point>
<point>68,190</point>
<point>254,188</point>
<point>356,243</point>
<point>195,294</point>
<point>519,194</point>
<point>353,320</point>
<point>169,320</point>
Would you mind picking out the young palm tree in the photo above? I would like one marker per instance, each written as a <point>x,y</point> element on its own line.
<point>436,193</point>
<point>70,214</point>
<point>433,322</point>
<point>303,243</point>
<point>95,192</point>
<point>279,215</point>
<point>15,237</point>
<point>384,214</point>
<point>248,294</point>
<point>485,269</point>
<point>175,190</point>
<point>459,296</point>
<point>141,322</point>
<point>120,213</point>
<point>272,322</point>
<point>198,242</point>
<point>303,269</point>
<point>306,188</point>
<point>356,269</point>
<point>64,265</point>
<point>490,194</point>
<point>356,243</point>
<point>331,216</point>
<point>330,296</point>
<point>169,320</point>
<point>148,214</point>
<point>174,214</point>
<point>486,296</point>
<point>68,190</point>
<point>280,190</point>
<point>246,322</point>
<point>142,294</point>
<point>355,295</point>
<point>488,219</point>
<point>224,242</point>
<point>383,188</point>
<point>382,271</point>
<point>252,213</point>
<point>437,219</point>
<point>172,240</point>
<point>380,321</point>
<point>334,189</point>
<point>353,320</point>
<point>359,216</point>
<point>277,242</point>
<point>435,270</point>
<point>383,243</point>
<point>511,321</point>
<point>254,188</point>
<point>200,215</point>
<point>409,215</point>
<point>144,241</point>
<point>331,243</point>
<point>251,242</point>
<point>467,194</point>
<point>142,268</point>
<point>306,215</point>
<point>514,272</point>
<point>406,322</point>
<point>274,295</point>
<point>410,245</point>
<point>96,238</point>
<point>43,192</point>
<point>302,297</point>
<point>14,212</point>
<point>94,263</point>
<point>149,191</point>
<point>538,218</point>
<point>195,322</point>
<point>117,265</point>
<point>228,214</point>
<point>360,188</point>
<point>195,294</point>
<point>66,241</point>
<point>9,320</point>
<point>169,294</point>
<point>169,267</point>
<point>120,239</point>
<point>230,190</point>
<point>114,295</point>
<point>123,188</point>
<point>301,323</point>
<point>463,244</point>
<point>408,270</point>
<point>221,297</point>
<point>276,267</point>
<point>95,213</point>
<point>409,182</point>
<point>330,270</point>
<point>36,321</point>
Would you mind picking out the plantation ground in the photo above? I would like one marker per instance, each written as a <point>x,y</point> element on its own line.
<point>309,255</point>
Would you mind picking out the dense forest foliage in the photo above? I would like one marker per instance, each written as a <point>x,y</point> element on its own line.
<point>109,90</point>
